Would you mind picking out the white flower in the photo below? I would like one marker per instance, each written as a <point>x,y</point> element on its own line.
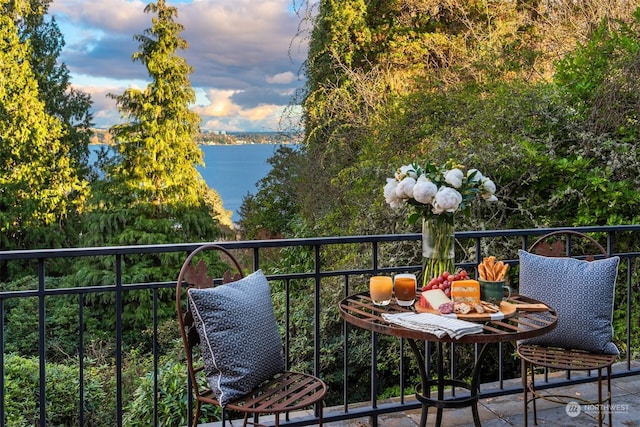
<point>431,191</point>
<point>424,190</point>
<point>454,177</point>
<point>405,188</point>
<point>405,171</point>
<point>477,178</point>
<point>488,187</point>
<point>446,199</point>
<point>390,194</point>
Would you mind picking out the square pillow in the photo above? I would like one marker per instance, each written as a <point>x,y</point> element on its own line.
<point>582,292</point>
<point>239,339</point>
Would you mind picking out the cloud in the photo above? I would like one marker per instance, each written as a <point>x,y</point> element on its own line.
<point>220,104</point>
<point>281,78</point>
<point>244,53</point>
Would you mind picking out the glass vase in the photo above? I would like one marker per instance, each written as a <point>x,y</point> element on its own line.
<point>438,248</point>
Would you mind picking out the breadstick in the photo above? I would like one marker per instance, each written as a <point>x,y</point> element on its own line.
<point>482,272</point>
<point>503,273</point>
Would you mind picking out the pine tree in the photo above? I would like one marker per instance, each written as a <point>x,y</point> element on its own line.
<point>152,192</point>
<point>152,184</point>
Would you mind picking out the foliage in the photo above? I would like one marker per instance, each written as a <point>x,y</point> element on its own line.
<point>473,81</point>
<point>62,100</point>
<point>371,69</point>
<point>21,394</point>
<point>172,400</point>
<point>269,212</point>
<point>152,192</point>
<point>40,174</point>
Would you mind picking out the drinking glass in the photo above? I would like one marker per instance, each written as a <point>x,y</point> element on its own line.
<point>381,289</point>
<point>405,288</point>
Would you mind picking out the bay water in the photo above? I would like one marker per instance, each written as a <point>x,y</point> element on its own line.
<point>232,170</point>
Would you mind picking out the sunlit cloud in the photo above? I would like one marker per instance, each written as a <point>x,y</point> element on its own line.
<point>220,104</point>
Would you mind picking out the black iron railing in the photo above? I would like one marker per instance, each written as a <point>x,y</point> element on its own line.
<point>375,254</point>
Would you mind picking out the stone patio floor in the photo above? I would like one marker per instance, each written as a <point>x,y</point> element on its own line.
<point>507,411</point>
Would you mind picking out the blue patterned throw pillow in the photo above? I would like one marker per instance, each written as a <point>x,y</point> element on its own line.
<point>239,339</point>
<point>582,292</point>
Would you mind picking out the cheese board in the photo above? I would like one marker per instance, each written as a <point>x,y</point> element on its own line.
<point>506,310</point>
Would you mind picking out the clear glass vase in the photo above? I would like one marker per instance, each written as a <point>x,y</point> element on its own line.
<point>438,248</point>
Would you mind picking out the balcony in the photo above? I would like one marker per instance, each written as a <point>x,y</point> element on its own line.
<point>352,400</point>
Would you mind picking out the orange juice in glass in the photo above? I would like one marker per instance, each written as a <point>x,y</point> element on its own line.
<point>381,289</point>
<point>405,288</point>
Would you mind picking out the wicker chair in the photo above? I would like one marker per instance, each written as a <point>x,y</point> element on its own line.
<point>286,392</point>
<point>559,244</point>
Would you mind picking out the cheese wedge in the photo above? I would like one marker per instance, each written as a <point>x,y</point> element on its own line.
<point>467,291</point>
<point>433,297</point>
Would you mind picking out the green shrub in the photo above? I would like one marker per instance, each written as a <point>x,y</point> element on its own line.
<point>172,400</point>
<point>62,391</point>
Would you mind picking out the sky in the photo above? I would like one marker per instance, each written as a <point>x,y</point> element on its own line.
<point>246,55</point>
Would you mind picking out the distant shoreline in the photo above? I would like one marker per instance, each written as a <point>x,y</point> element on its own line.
<point>102,136</point>
<point>206,144</point>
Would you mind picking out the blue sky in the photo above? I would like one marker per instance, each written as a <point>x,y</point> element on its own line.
<point>246,55</point>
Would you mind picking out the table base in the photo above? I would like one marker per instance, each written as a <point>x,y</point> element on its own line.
<point>441,383</point>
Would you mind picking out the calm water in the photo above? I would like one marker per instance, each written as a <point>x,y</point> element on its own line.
<point>233,170</point>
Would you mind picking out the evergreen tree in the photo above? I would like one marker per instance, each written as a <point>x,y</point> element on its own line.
<point>152,191</point>
<point>40,188</point>
<point>270,212</point>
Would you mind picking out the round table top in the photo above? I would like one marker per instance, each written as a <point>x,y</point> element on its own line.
<point>359,310</point>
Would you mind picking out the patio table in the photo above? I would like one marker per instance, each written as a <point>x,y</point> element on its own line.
<point>359,310</point>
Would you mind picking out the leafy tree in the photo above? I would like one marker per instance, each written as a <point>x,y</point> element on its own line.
<point>40,185</point>
<point>269,212</point>
<point>70,105</point>
<point>366,58</point>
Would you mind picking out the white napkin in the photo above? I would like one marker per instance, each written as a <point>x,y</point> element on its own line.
<point>434,324</point>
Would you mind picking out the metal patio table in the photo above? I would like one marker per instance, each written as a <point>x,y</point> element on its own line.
<point>359,310</point>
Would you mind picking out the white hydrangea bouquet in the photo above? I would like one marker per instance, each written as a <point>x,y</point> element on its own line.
<point>436,195</point>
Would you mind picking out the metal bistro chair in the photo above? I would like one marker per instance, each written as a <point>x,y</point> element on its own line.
<point>285,392</point>
<point>559,244</point>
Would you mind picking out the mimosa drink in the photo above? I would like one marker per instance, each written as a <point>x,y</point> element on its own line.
<point>381,289</point>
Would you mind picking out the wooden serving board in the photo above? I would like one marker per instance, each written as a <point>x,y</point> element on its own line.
<point>531,307</point>
<point>506,309</point>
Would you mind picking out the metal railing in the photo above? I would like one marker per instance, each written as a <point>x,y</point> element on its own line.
<point>375,255</point>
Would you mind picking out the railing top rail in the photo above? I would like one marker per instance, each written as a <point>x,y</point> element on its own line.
<point>315,241</point>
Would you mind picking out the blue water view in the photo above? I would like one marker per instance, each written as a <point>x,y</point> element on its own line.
<point>232,170</point>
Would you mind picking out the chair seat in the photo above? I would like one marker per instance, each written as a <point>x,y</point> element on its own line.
<point>287,392</point>
<point>563,358</point>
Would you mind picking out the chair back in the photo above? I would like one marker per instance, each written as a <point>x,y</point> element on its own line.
<point>199,271</point>
<point>568,243</point>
